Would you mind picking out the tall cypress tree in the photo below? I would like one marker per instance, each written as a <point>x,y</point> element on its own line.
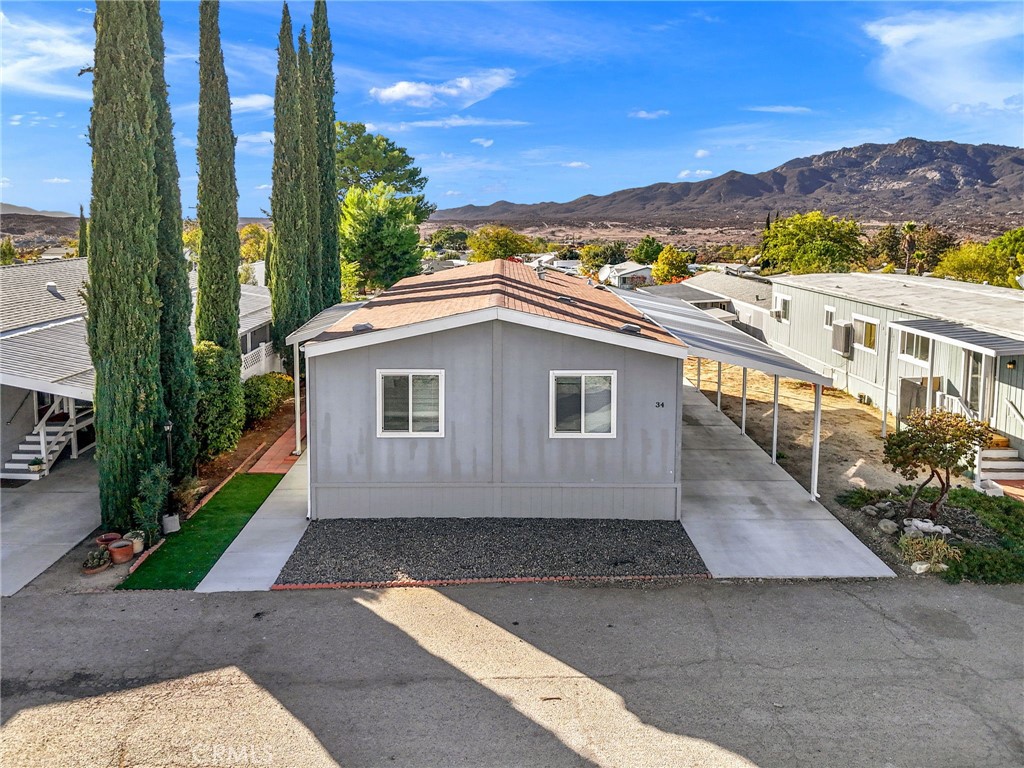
<point>323,88</point>
<point>177,367</point>
<point>310,175</point>
<point>289,303</point>
<point>83,234</point>
<point>122,298</point>
<point>217,206</point>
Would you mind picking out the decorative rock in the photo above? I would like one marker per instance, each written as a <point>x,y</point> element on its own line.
<point>870,510</point>
<point>887,526</point>
<point>914,533</point>
<point>888,513</point>
<point>920,567</point>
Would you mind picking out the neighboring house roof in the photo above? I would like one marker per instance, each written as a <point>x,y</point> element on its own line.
<point>322,322</point>
<point>253,308</point>
<point>496,290</point>
<point>25,300</point>
<point>747,290</point>
<point>683,291</point>
<point>986,307</point>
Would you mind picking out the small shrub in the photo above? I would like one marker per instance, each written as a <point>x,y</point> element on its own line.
<point>150,504</point>
<point>264,395</point>
<point>855,498</point>
<point>220,412</point>
<point>185,494</point>
<point>931,549</point>
<point>987,565</point>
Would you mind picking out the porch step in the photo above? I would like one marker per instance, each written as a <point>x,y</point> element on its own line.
<point>999,441</point>
<point>1008,463</point>
<point>11,475</point>
<point>998,453</point>
<point>998,475</point>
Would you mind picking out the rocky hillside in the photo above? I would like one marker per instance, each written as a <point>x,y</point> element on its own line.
<point>963,187</point>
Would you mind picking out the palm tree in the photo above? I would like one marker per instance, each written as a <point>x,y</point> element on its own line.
<point>909,242</point>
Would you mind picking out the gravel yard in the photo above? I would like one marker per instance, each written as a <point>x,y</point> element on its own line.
<point>448,549</point>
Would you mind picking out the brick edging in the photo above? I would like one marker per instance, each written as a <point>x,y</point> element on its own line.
<point>144,555</point>
<point>487,580</point>
<point>245,463</point>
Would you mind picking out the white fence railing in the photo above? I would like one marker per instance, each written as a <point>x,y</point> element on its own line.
<point>954,404</point>
<point>261,360</point>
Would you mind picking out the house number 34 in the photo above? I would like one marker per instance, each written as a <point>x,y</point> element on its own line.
<point>659,404</point>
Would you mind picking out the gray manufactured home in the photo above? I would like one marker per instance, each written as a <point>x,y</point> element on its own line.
<point>904,342</point>
<point>494,390</point>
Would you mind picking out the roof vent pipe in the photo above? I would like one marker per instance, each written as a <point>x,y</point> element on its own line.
<point>362,327</point>
<point>51,287</point>
<point>631,328</point>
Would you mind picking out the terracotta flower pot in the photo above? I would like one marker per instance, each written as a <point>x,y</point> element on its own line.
<point>104,539</point>
<point>91,571</point>
<point>121,551</point>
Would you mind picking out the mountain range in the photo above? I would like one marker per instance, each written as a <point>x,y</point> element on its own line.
<point>969,188</point>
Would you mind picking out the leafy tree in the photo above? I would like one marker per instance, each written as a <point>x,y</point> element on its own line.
<point>351,277</point>
<point>268,259</point>
<point>253,240</point>
<point>289,286</point>
<point>177,369</point>
<point>646,251</point>
<point>378,232</point>
<point>941,443</point>
<point>450,239</point>
<point>192,239</point>
<point>310,175</point>
<point>819,256</point>
<point>492,241</point>
<point>323,86</point>
<point>220,414</point>
<point>975,263</point>
<point>786,238</point>
<point>366,159</point>
<point>885,246</point>
<point>122,298</point>
<point>931,243</point>
<point>8,253</point>
<point>1008,249</point>
<point>596,255</point>
<point>671,264</point>
<point>83,234</point>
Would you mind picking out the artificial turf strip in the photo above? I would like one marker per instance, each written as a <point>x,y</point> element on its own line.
<point>187,556</point>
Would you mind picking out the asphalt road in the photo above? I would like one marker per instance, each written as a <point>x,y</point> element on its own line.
<point>890,674</point>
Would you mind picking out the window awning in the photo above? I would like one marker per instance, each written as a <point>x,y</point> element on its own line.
<point>962,336</point>
<point>712,339</point>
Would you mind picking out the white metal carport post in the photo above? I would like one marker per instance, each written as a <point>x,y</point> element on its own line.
<point>698,374</point>
<point>775,423</point>
<point>930,394</point>
<point>743,408</point>
<point>816,442</point>
<point>298,402</point>
<point>885,392</point>
<point>719,386</point>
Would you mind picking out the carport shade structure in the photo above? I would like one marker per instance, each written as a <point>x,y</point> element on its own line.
<point>709,338</point>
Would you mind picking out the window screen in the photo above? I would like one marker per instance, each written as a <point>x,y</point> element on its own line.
<point>583,404</point>
<point>410,403</point>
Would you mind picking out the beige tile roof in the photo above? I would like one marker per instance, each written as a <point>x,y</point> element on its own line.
<point>500,284</point>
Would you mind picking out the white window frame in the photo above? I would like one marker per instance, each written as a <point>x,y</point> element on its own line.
<point>777,300</point>
<point>878,332</point>
<point>582,435</point>
<point>825,320</point>
<point>904,357</point>
<point>381,373</point>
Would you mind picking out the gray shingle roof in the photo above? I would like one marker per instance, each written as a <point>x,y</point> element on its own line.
<point>748,290</point>
<point>25,301</point>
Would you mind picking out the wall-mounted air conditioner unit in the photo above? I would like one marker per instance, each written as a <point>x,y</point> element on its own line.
<point>842,337</point>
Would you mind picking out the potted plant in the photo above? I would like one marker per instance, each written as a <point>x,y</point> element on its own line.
<point>121,551</point>
<point>36,464</point>
<point>98,560</point>
<point>138,540</point>
<point>105,539</point>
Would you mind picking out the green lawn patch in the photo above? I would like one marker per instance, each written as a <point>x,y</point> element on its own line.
<point>187,556</point>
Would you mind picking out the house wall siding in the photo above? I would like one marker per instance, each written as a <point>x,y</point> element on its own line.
<point>496,458</point>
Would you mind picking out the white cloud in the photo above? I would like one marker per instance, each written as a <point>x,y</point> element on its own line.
<point>264,186</point>
<point>90,11</point>
<point>4,182</point>
<point>259,143</point>
<point>56,180</point>
<point>254,102</point>
<point>452,193</point>
<point>781,109</point>
<point>643,114</point>
<point>44,58</point>
<point>452,121</point>
<point>956,62</point>
<point>685,174</point>
<point>461,92</point>
<point>15,120</point>
<point>701,153</point>
<point>482,142</point>
<point>575,164</point>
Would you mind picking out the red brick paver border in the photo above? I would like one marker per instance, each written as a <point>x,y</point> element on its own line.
<point>279,457</point>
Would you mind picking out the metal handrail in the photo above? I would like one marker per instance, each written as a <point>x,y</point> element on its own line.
<point>1015,410</point>
<point>16,410</point>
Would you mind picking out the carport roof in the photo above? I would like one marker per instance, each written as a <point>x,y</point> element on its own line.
<point>712,339</point>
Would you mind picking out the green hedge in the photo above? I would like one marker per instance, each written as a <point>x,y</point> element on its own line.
<point>987,565</point>
<point>264,395</point>
<point>220,412</point>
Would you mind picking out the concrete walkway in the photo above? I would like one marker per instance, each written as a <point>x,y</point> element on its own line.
<point>43,520</point>
<point>259,552</point>
<point>748,518</point>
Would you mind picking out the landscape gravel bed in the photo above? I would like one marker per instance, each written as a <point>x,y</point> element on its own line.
<point>448,549</point>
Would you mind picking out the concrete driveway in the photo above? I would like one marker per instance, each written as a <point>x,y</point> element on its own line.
<point>901,673</point>
<point>44,519</point>
<point>748,518</point>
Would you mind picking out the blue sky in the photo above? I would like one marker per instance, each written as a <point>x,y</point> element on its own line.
<point>546,101</point>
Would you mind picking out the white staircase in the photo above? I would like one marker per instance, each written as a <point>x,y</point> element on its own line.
<point>58,427</point>
<point>1001,464</point>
